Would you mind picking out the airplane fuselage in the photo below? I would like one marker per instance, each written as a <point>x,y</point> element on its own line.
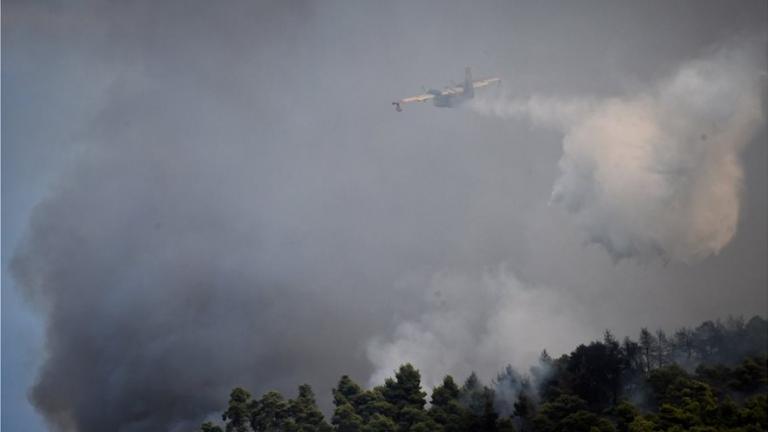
<point>447,100</point>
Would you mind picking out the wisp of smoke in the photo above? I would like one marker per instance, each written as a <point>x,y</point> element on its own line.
<point>656,173</point>
<point>476,322</point>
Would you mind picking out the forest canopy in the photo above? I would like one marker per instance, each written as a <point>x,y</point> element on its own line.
<point>710,378</point>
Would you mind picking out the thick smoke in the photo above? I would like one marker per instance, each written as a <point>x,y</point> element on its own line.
<point>246,209</point>
<point>657,172</point>
<point>473,321</point>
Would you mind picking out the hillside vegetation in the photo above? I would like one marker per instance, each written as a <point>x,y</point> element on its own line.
<point>706,379</point>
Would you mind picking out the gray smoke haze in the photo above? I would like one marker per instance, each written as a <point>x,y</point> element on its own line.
<point>240,205</point>
<point>660,172</point>
<point>472,321</point>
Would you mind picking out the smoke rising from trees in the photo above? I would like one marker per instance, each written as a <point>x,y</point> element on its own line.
<point>240,206</point>
<point>471,321</point>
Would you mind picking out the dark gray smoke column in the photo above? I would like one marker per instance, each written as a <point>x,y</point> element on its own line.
<point>198,241</point>
<point>247,209</point>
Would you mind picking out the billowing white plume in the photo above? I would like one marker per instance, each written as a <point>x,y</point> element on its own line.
<point>656,173</point>
<point>479,323</point>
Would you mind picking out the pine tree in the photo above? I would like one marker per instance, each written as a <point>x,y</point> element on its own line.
<point>304,412</point>
<point>271,414</point>
<point>237,415</point>
<point>404,393</point>
<point>346,391</point>
<point>446,410</point>
<point>346,420</point>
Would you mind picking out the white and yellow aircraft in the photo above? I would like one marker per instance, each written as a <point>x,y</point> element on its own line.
<point>450,96</point>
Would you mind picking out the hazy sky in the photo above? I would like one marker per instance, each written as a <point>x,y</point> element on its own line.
<point>197,195</point>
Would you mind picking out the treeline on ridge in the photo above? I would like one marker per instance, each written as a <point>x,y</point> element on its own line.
<point>708,379</point>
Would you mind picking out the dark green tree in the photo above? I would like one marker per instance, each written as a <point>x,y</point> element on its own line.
<point>271,413</point>
<point>750,376</point>
<point>479,402</point>
<point>210,427</point>
<point>625,413</point>
<point>405,389</point>
<point>524,411</point>
<point>595,373</point>
<point>347,399</point>
<point>345,419</point>
<point>551,413</point>
<point>445,409</point>
<point>445,393</point>
<point>372,402</point>
<point>346,391</point>
<point>581,391</point>
<point>584,421</point>
<point>238,413</point>
<point>404,393</point>
<point>508,385</point>
<point>755,412</point>
<point>304,412</point>
<point>505,425</point>
<point>413,419</point>
<point>380,423</point>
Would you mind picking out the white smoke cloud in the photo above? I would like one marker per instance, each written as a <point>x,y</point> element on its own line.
<point>479,323</point>
<point>656,173</point>
<point>539,110</point>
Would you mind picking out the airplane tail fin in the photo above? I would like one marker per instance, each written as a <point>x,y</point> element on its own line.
<point>469,89</point>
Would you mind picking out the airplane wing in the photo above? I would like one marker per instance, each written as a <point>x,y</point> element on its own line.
<point>420,98</point>
<point>485,82</point>
<point>448,91</point>
<point>459,88</point>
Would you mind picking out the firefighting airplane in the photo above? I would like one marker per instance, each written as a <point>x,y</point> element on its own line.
<point>450,96</point>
